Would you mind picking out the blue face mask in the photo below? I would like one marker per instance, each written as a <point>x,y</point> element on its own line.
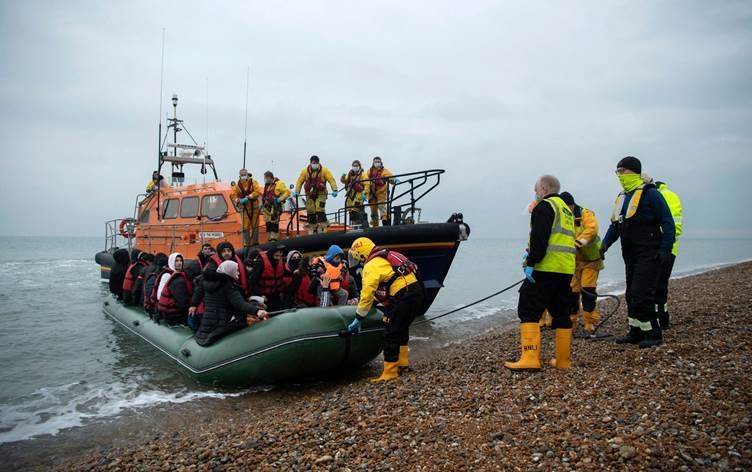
<point>314,167</point>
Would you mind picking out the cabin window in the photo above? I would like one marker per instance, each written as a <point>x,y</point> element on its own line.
<point>144,217</point>
<point>189,207</point>
<point>171,208</point>
<point>213,206</point>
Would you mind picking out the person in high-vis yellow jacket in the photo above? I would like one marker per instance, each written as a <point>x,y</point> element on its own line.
<point>245,194</point>
<point>392,280</point>
<point>313,178</point>
<point>588,264</point>
<point>357,190</point>
<point>273,198</point>
<point>661,292</point>
<point>381,178</point>
<point>548,264</point>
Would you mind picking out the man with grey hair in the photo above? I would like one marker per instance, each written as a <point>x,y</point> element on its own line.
<point>549,264</point>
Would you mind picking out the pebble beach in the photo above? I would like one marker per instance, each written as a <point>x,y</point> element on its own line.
<point>686,405</point>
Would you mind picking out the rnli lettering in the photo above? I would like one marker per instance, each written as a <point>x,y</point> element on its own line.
<point>212,235</point>
<point>529,348</point>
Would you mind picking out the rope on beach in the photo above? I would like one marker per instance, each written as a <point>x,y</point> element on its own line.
<point>470,304</point>
<point>593,335</point>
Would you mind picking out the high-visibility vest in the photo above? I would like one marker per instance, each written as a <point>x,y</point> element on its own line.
<point>592,251</point>
<point>560,254</point>
<point>674,205</point>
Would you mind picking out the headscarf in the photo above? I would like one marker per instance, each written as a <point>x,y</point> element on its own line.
<point>165,277</point>
<point>229,268</point>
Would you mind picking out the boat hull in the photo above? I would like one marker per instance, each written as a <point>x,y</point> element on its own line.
<point>299,344</point>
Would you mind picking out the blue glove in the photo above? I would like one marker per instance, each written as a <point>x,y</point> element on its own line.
<point>529,274</point>
<point>396,181</point>
<point>365,199</point>
<point>276,201</point>
<point>524,256</point>
<point>354,327</point>
<point>295,195</point>
<point>243,201</point>
<point>334,194</point>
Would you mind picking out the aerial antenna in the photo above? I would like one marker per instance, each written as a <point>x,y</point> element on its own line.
<point>206,143</point>
<point>245,139</point>
<point>159,137</point>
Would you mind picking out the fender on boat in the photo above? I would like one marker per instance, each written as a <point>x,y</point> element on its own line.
<point>301,343</point>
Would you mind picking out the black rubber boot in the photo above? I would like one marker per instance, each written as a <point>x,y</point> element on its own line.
<point>634,336</point>
<point>654,337</point>
<point>663,320</point>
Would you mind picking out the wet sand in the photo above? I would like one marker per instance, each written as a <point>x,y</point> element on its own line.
<point>683,406</point>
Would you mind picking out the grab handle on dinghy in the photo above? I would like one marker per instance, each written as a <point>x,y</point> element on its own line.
<point>136,323</point>
<point>185,352</point>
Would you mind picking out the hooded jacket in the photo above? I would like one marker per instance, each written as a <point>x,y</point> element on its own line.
<point>117,272</point>
<point>150,275</point>
<point>225,307</point>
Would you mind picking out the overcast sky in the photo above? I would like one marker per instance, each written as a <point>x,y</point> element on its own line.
<point>496,93</point>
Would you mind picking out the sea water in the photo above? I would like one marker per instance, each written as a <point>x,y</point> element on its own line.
<point>64,364</point>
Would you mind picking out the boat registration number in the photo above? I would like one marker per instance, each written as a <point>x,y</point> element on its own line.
<point>212,235</point>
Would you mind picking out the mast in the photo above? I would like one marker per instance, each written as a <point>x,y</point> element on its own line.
<point>245,139</point>
<point>159,132</point>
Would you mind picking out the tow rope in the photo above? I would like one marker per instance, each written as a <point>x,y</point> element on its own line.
<point>594,335</point>
<point>470,304</point>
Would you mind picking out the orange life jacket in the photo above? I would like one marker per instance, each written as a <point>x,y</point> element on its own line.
<point>334,273</point>
<point>271,280</point>
<point>130,281</point>
<point>314,182</point>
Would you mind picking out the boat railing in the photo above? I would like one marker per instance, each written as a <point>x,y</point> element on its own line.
<point>404,191</point>
<point>119,231</point>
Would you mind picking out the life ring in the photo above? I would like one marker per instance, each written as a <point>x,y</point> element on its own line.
<point>126,227</point>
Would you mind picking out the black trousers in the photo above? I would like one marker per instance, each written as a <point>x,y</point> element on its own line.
<point>661,290</point>
<point>398,318</point>
<point>589,297</point>
<point>642,272</point>
<point>552,292</point>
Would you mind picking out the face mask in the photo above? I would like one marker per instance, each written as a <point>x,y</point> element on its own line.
<point>355,169</point>
<point>243,177</point>
<point>630,182</point>
<point>538,198</point>
<point>267,181</point>
<point>377,165</point>
<point>314,167</point>
<point>294,263</point>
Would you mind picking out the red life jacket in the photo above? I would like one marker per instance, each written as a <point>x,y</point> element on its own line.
<point>314,183</point>
<point>214,258</point>
<point>243,282</point>
<point>148,302</point>
<point>129,281</point>
<point>245,192</point>
<point>354,183</point>
<point>302,296</point>
<point>374,175</point>
<point>269,193</point>
<point>271,280</point>
<point>167,305</point>
<point>150,299</point>
<point>401,266</point>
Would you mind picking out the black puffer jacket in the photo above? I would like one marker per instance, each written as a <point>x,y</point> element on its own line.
<point>225,307</point>
<point>117,272</point>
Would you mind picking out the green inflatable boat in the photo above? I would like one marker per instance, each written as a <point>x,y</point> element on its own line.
<point>297,344</point>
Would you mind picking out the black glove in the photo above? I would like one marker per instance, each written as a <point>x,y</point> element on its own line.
<point>663,257</point>
<point>603,252</point>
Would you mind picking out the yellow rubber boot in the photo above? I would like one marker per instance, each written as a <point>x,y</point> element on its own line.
<point>563,347</point>
<point>404,358</point>
<point>575,319</point>
<point>530,348</point>
<point>391,372</point>
<point>591,318</point>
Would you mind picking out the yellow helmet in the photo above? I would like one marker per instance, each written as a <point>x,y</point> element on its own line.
<point>360,250</point>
